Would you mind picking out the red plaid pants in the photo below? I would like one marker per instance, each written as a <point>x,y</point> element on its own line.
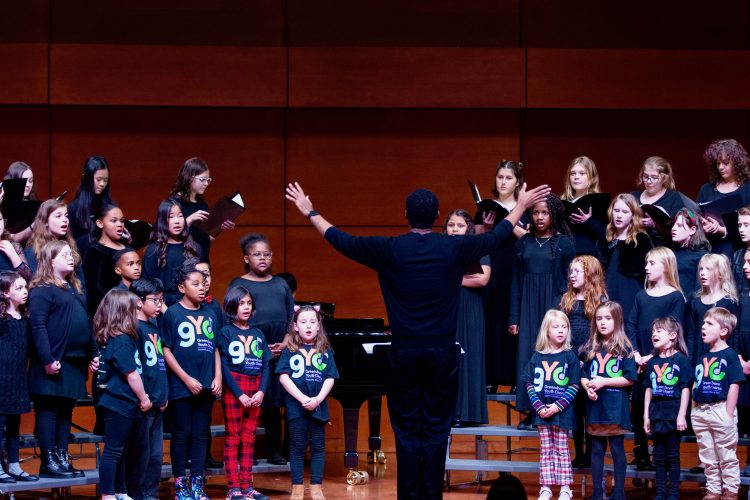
<point>241,422</point>
<point>555,467</point>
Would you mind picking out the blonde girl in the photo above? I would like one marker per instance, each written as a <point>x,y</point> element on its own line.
<point>586,290</point>
<point>123,397</point>
<point>662,297</point>
<point>717,289</point>
<point>551,381</point>
<point>581,179</point>
<point>623,249</point>
<point>667,383</point>
<point>608,371</point>
<point>50,224</point>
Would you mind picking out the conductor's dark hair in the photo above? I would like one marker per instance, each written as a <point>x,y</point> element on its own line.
<point>89,204</point>
<point>422,208</point>
<point>146,286</point>
<point>232,301</point>
<point>507,487</point>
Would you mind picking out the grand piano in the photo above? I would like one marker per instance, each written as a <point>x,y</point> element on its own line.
<point>360,380</point>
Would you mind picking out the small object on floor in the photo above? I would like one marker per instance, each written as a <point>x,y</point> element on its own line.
<point>276,459</point>
<point>254,494</point>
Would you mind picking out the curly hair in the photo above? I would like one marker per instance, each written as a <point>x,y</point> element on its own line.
<point>557,215</point>
<point>594,290</point>
<point>727,149</point>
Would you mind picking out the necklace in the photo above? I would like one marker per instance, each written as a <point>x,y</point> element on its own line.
<point>544,242</point>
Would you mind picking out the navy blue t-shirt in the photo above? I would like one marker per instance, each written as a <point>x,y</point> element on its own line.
<point>667,377</point>
<point>150,361</point>
<point>714,373</point>
<point>190,335</point>
<point>308,369</point>
<point>613,403</point>
<point>243,351</point>
<point>552,375</point>
<point>118,360</point>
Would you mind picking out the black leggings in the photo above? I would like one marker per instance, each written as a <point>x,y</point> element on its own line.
<point>192,417</point>
<point>53,417</point>
<point>667,461</point>
<point>617,448</point>
<point>12,425</point>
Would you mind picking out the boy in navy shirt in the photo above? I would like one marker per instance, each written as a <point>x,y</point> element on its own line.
<point>718,374</point>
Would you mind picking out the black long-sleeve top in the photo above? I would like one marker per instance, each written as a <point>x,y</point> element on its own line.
<point>100,274</point>
<point>420,274</point>
<point>56,315</point>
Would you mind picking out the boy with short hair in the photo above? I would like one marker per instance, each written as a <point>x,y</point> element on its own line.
<point>127,264</point>
<point>718,374</point>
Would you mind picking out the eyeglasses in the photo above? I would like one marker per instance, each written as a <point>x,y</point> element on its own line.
<point>651,178</point>
<point>258,255</point>
<point>157,301</point>
<point>203,180</point>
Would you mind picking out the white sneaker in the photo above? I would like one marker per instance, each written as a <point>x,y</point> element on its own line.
<point>565,493</point>
<point>122,496</point>
<point>545,493</point>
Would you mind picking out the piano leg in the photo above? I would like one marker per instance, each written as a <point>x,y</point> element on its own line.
<point>376,454</point>
<point>351,428</point>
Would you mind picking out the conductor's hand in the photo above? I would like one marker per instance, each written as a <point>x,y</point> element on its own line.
<point>528,199</point>
<point>294,193</point>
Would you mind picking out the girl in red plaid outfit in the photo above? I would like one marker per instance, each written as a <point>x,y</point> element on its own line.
<point>551,381</point>
<point>244,365</point>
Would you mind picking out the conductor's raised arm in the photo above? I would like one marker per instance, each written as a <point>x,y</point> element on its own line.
<point>526,200</point>
<point>295,194</point>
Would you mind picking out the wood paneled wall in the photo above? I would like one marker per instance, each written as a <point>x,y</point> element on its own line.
<point>362,102</point>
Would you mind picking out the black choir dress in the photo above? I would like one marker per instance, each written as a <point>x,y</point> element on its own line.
<point>472,395</point>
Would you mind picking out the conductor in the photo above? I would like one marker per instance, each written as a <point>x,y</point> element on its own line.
<point>420,278</point>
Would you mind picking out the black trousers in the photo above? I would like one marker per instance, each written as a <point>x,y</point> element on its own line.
<point>422,385</point>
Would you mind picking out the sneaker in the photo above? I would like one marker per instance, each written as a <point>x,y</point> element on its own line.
<point>252,493</point>
<point>198,493</point>
<point>545,493</point>
<point>123,496</point>
<point>235,494</point>
<point>565,493</point>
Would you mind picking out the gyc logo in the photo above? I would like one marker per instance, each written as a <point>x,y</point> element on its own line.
<point>188,330</point>
<point>151,350</point>
<point>550,372</point>
<point>238,349</point>
<point>303,358</point>
<point>606,364</point>
<point>713,368</point>
<point>665,374</point>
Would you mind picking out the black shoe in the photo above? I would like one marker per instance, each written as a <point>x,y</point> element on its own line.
<point>6,478</point>
<point>276,459</point>
<point>697,469</point>
<point>513,390</point>
<point>525,424</point>
<point>51,468</point>
<point>581,463</point>
<point>24,477</point>
<point>213,464</point>
<point>63,458</point>
<point>644,464</point>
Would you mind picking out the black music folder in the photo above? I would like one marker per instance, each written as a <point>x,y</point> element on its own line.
<point>227,208</point>
<point>715,209</point>
<point>18,212</point>
<point>487,205</point>
<point>660,217</point>
<point>598,203</point>
<point>140,233</point>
